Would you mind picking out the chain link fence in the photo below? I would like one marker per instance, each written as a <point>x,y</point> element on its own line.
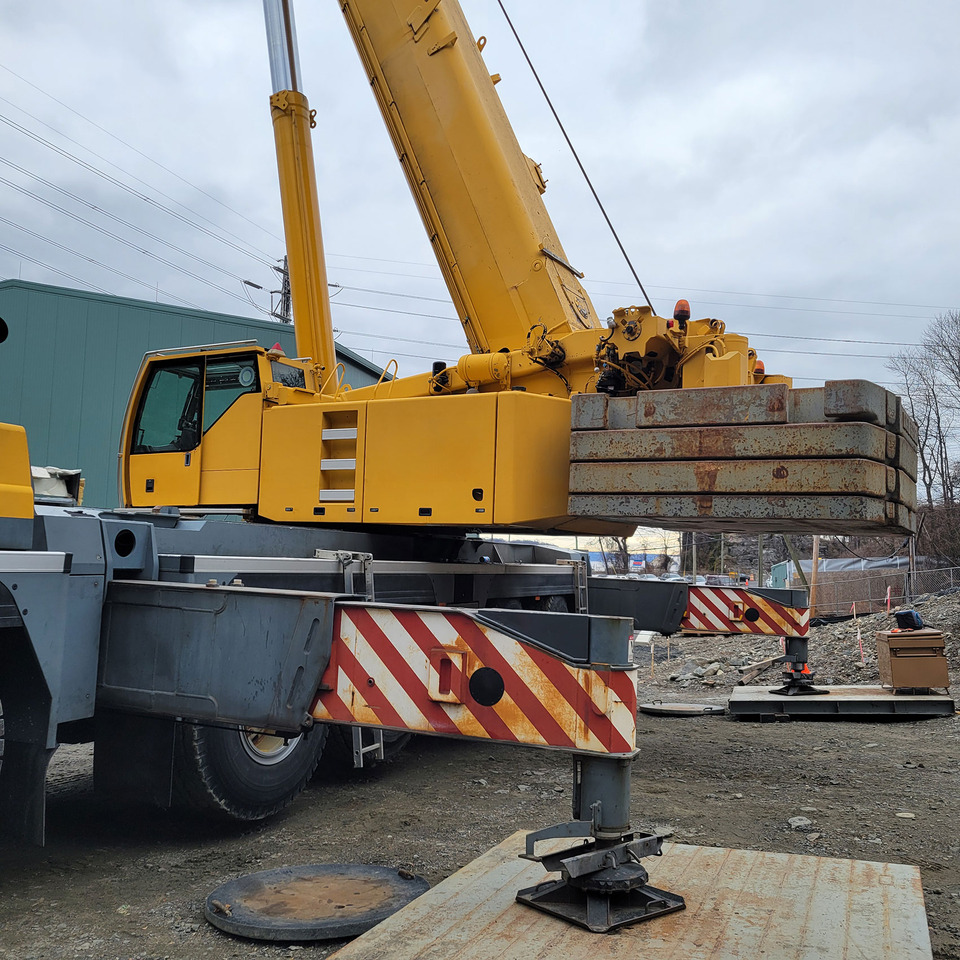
<point>838,591</point>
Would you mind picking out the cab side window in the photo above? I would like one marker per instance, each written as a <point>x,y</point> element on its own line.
<point>227,380</point>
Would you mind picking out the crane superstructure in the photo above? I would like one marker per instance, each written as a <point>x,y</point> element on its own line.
<point>483,443</point>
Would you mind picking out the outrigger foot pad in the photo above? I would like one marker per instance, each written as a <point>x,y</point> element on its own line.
<point>599,910</point>
<point>602,884</point>
<point>798,690</point>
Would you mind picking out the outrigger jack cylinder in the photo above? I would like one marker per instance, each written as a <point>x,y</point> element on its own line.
<point>602,884</point>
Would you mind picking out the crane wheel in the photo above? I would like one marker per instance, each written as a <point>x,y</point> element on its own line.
<point>553,604</point>
<point>242,773</point>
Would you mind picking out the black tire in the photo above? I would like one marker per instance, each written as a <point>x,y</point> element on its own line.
<point>509,603</point>
<point>240,773</point>
<point>553,604</point>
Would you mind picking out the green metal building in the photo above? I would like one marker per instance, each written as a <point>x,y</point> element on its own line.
<point>70,358</point>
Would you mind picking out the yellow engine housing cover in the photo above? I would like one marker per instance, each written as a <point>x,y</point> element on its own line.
<point>475,459</point>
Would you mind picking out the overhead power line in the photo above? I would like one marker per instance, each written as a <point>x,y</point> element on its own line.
<point>104,213</point>
<point>590,283</point>
<point>848,313</point>
<point>107,177</point>
<point>119,239</point>
<point>128,189</point>
<point>93,260</point>
<point>116,166</point>
<point>781,296</point>
<point>371,291</point>
<point>47,266</point>
<point>653,286</point>
<point>430,343</point>
<point>137,151</point>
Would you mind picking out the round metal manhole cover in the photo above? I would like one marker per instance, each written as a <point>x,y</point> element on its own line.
<point>326,901</point>
<point>661,709</point>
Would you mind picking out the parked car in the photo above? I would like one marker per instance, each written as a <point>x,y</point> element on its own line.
<point>719,580</point>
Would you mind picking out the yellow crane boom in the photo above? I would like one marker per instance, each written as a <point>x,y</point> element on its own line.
<point>292,121</point>
<point>478,194</point>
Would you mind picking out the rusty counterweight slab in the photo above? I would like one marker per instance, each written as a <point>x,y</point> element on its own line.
<point>864,441</point>
<point>836,401</point>
<point>783,477</point>
<point>719,405</point>
<point>751,513</point>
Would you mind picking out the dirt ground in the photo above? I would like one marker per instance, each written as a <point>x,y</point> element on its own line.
<point>130,883</point>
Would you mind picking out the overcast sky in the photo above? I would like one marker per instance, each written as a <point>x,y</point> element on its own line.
<point>788,167</point>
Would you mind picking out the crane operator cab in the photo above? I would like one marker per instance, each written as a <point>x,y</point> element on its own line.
<point>192,434</point>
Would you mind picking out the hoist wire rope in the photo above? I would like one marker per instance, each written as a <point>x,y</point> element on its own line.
<point>576,156</point>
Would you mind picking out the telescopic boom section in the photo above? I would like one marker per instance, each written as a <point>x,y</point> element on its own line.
<point>292,122</point>
<point>478,194</point>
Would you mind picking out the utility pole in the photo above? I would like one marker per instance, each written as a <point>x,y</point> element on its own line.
<point>813,576</point>
<point>792,550</point>
<point>912,569</point>
<point>282,310</point>
<point>760,560</point>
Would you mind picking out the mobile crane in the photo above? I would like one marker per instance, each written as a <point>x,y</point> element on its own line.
<point>115,625</point>
<point>484,443</point>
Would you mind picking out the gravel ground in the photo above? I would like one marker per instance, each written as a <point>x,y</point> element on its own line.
<point>127,882</point>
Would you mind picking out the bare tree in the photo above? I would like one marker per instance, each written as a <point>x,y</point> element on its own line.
<point>929,382</point>
<point>616,554</point>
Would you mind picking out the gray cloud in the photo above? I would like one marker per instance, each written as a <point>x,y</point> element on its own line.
<point>802,150</point>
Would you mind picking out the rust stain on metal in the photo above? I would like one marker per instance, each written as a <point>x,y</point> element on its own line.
<point>706,474</point>
<point>780,472</point>
<point>704,506</point>
<point>317,898</point>
<point>751,513</point>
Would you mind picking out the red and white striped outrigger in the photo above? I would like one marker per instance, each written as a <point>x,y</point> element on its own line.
<point>456,673</point>
<point>738,610</point>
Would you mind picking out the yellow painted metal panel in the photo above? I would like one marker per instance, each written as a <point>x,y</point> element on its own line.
<point>16,487</point>
<point>292,121</point>
<point>477,192</point>
<point>230,455</point>
<point>533,460</point>
<point>164,479</point>
<point>431,454</point>
<point>293,487</point>
<point>707,370</point>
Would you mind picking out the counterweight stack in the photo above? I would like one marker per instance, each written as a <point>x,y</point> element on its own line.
<point>841,458</point>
